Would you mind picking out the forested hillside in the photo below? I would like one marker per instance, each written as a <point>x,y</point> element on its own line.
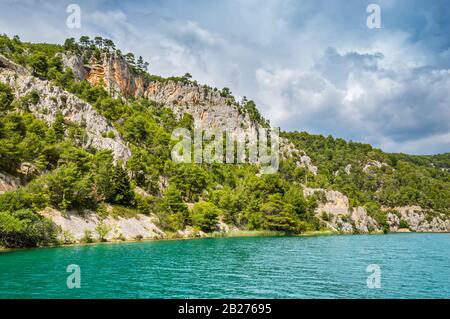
<point>371,177</point>
<point>56,168</point>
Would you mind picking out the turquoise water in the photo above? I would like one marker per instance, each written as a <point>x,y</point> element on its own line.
<point>412,266</point>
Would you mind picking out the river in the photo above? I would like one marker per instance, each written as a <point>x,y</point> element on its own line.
<point>402,266</point>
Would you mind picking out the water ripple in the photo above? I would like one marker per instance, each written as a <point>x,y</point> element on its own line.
<point>412,266</point>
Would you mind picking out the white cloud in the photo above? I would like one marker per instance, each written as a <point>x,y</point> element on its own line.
<point>392,108</point>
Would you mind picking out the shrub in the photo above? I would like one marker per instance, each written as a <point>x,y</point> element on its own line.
<point>325,216</point>
<point>279,216</point>
<point>102,230</point>
<point>39,63</point>
<point>31,98</point>
<point>204,216</point>
<point>112,182</point>
<point>6,97</point>
<point>87,237</point>
<point>24,228</point>
<point>69,188</point>
<point>66,237</point>
<point>403,224</point>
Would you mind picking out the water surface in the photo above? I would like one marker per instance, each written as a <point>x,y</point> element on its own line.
<point>412,266</point>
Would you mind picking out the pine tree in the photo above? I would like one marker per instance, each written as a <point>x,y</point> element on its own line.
<point>85,41</point>
<point>123,193</point>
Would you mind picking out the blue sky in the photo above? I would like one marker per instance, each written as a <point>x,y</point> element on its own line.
<point>310,65</point>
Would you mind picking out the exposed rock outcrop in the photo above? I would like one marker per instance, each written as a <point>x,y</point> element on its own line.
<point>363,223</point>
<point>8,64</point>
<point>334,202</point>
<point>52,100</point>
<point>288,150</point>
<point>74,225</point>
<point>190,232</point>
<point>417,218</point>
<point>374,163</point>
<point>76,64</point>
<point>209,108</point>
<point>8,183</point>
<point>335,212</point>
<point>348,169</point>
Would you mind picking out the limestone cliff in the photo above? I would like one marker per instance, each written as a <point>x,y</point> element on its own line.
<point>10,65</point>
<point>74,226</point>
<point>417,219</point>
<point>335,212</point>
<point>208,107</point>
<point>52,99</point>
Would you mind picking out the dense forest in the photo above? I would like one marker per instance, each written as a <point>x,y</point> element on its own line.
<point>66,176</point>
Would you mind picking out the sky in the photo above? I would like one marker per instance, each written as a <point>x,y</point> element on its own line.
<point>310,65</point>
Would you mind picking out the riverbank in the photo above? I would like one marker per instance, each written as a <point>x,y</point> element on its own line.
<point>231,234</point>
<point>175,236</point>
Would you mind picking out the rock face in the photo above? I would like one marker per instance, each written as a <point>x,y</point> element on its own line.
<point>363,222</point>
<point>371,164</point>
<point>335,202</point>
<point>53,100</point>
<point>335,212</point>
<point>209,109</point>
<point>8,64</point>
<point>74,225</point>
<point>288,150</point>
<point>418,219</point>
<point>8,183</point>
<point>113,71</point>
<point>76,64</point>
